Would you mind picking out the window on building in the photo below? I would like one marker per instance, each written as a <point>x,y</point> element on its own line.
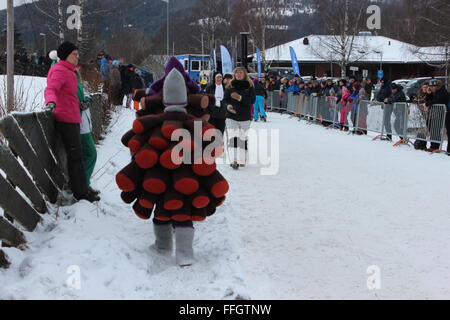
<point>195,66</point>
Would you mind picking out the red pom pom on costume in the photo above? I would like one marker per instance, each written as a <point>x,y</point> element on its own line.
<point>147,157</point>
<point>204,169</point>
<point>157,140</point>
<point>142,212</point>
<point>183,214</point>
<point>198,215</point>
<point>216,184</point>
<point>129,178</point>
<point>169,127</point>
<point>200,199</point>
<point>173,200</point>
<point>156,180</point>
<point>185,181</point>
<point>127,137</point>
<point>138,141</point>
<point>146,123</point>
<point>148,200</point>
<point>170,159</point>
<point>161,214</point>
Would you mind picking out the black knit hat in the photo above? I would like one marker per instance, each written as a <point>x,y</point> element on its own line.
<point>66,49</point>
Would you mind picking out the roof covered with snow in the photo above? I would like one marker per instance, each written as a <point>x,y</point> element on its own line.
<point>325,48</point>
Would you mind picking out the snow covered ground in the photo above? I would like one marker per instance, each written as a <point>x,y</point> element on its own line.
<point>29,92</point>
<point>339,205</point>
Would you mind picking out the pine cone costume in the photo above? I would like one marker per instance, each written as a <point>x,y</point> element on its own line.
<point>173,175</point>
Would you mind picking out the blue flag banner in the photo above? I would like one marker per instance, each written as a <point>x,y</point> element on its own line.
<point>258,58</point>
<point>294,62</point>
<point>227,63</point>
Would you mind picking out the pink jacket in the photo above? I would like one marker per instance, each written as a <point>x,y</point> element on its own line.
<point>345,95</point>
<point>62,87</point>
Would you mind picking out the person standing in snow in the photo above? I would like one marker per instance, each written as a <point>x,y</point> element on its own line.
<point>105,70</point>
<point>239,98</point>
<point>439,95</point>
<point>115,85</point>
<point>89,150</point>
<point>127,75</point>
<point>345,106</point>
<point>61,96</point>
<point>137,83</point>
<point>354,104</point>
<point>261,96</point>
<point>397,96</point>
<point>217,112</point>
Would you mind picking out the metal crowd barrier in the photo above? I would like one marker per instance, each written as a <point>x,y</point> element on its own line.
<point>404,120</point>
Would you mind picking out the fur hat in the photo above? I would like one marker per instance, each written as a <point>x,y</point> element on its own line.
<point>53,55</point>
<point>175,92</point>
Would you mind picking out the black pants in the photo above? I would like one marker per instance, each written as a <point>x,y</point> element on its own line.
<point>387,121</point>
<point>218,123</point>
<point>71,138</point>
<point>176,224</point>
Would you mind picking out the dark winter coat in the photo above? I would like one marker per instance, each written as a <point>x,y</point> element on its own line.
<point>385,92</point>
<point>439,97</point>
<point>399,96</point>
<point>127,80</point>
<point>137,82</point>
<point>243,108</point>
<point>115,87</point>
<point>369,88</point>
<point>215,112</point>
<point>260,90</point>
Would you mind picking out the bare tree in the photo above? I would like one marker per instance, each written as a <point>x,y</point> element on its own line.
<point>259,16</point>
<point>343,20</point>
<point>53,13</point>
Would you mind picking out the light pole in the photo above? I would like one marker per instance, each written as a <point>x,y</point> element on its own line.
<point>45,42</point>
<point>10,55</point>
<point>381,55</point>
<point>168,28</point>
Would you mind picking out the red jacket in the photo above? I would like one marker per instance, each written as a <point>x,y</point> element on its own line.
<point>62,87</point>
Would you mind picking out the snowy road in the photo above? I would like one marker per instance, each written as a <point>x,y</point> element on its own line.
<point>339,205</point>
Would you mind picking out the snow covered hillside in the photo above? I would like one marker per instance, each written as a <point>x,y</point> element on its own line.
<point>339,205</point>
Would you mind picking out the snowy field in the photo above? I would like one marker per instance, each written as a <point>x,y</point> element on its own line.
<point>339,205</point>
<point>29,92</point>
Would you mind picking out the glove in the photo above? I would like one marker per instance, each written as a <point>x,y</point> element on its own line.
<point>50,106</point>
<point>236,96</point>
<point>84,105</point>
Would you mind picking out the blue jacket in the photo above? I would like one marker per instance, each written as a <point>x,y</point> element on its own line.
<point>105,69</point>
<point>294,88</point>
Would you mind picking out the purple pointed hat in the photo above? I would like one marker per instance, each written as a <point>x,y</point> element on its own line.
<point>173,63</point>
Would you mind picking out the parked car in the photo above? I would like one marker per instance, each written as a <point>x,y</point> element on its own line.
<point>414,85</point>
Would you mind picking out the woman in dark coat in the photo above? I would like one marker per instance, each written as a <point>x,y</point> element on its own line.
<point>239,97</point>
<point>218,111</point>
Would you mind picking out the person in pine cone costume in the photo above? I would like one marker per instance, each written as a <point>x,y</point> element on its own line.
<point>173,174</point>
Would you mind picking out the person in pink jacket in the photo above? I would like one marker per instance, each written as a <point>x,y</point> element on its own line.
<point>61,96</point>
<point>346,106</point>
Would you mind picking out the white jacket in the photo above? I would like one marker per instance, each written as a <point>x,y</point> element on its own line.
<point>86,123</point>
